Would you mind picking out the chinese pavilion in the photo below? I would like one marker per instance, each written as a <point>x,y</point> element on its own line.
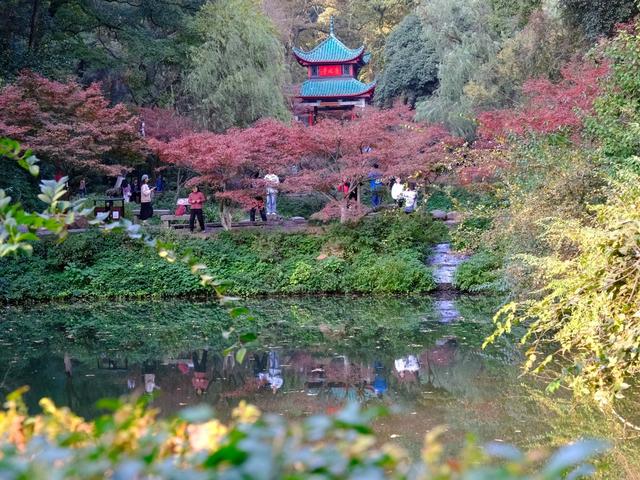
<point>332,87</point>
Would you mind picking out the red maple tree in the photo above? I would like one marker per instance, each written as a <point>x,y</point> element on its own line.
<point>165,124</point>
<point>70,126</point>
<point>232,164</point>
<point>551,107</point>
<point>343,154</point>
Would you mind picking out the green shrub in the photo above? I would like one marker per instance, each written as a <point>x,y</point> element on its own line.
<point>480,273</point>
<point>468,235</point>
<point>387,250</point>
<point>399,273</point>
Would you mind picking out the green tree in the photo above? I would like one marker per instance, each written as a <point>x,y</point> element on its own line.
<point>616,123</point>
<point>238,67</point>
<point>137,49</point>
<point>463,40</point>
<point>410,65</point>
<point>598,17</point>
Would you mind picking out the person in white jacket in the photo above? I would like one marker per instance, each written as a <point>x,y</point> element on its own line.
<point>396,192</point>
<point>272,192</point>
<point>146,208</point>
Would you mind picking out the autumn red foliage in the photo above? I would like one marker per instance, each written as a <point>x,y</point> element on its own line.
<point>343,153</point>
<point>311,160</point>
<point>551,107</point>
<point>233,163</point>
<point>70,126</point>
<point>165,124</point>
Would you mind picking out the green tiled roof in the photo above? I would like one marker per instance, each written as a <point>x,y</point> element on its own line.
<point>334,87</point>
<point>330,50</point>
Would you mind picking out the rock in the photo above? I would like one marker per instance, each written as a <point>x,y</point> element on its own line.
<point>298,219</point>
<point>453,216</point>
<point>438,214</point>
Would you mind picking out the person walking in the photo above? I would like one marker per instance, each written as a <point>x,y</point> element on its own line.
<point>200,381</point>
<point>146,208</point>
<point>196,199</point>
<point>272,193</point>
<point>126,191</point>
<point>159,184</point>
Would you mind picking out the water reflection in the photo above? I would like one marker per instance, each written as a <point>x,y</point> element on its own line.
<point>312,356</point>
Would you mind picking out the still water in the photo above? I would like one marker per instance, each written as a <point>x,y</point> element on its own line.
<point>421,357</point>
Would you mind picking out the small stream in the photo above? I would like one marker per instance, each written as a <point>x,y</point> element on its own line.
<point>444,263</point>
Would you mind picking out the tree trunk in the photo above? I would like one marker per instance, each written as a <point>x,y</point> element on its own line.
<point>225,215</point>
<point>178,185</point>
<point>343,212</point>
<point>32,24</point>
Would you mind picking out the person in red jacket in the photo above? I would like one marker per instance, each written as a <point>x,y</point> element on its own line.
<point>196,199</point>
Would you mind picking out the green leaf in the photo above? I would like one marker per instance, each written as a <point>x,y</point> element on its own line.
<point>240,354</point>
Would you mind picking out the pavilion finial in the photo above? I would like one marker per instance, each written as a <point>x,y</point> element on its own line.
<point>331,26</point>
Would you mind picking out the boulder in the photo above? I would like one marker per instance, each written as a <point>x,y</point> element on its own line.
<point>438,214</point>
<point>453,216</point>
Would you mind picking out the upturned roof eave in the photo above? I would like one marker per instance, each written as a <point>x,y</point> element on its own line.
<point>306,62</point>
<point>364,93</point>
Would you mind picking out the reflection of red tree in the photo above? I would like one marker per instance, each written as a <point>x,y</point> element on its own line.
<point>248,388</point>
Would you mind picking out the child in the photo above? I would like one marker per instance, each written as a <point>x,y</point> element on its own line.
<point>410,198</point>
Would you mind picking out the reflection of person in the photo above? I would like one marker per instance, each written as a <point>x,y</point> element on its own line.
<point>68,367</point>
<point>196,200</point>
<point>275,372</point>
<point>268,371</point>
<point>272,192</point>
<point>149,376</point>
<point>200,381</point>
<point>407,364</point>
<point>379,382</point>
<point>146,208</point>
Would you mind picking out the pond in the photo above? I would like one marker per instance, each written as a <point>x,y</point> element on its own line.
<point>419,356</point>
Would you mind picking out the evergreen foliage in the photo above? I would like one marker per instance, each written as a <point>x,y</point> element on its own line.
<point>410,71</point>
<point>237,68</point>
<point>138,49</point>
<point>598,17</point>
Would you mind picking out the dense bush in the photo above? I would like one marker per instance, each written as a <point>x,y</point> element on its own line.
<point>482,272</point>
<point>133,443</point>
<point>384,254</point>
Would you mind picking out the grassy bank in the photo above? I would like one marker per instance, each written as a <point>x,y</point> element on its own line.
<point>380,255</point>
